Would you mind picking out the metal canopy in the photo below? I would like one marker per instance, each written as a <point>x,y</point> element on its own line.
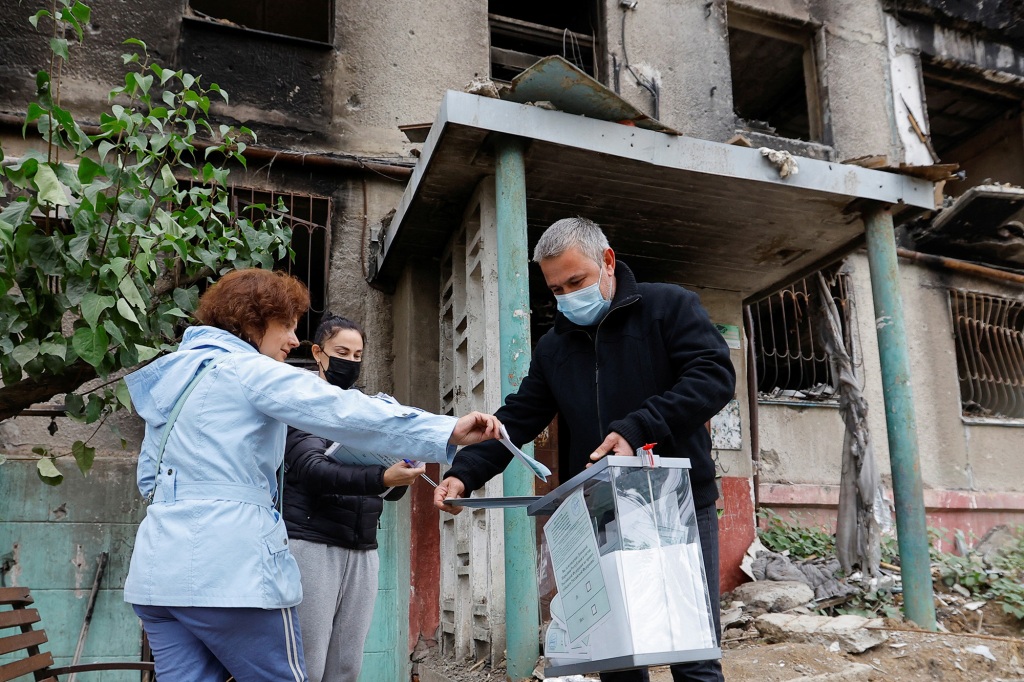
<point>677,209</point>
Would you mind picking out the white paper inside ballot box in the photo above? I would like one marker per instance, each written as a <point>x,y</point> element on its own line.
<point>663,595</point>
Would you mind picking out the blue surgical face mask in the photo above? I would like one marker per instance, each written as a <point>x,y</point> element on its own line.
<point>586,306</point>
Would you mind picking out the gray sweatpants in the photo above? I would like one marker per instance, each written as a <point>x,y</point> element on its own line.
<point>339,587</point>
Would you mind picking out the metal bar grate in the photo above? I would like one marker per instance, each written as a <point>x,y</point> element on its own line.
<point>989,335</point>
<point>792,363</point>
<point>310,220</point>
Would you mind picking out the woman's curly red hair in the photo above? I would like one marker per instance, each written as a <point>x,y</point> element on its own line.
<point>245,302</point>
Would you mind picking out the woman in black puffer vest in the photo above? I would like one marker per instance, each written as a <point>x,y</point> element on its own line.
<point>332,512</point>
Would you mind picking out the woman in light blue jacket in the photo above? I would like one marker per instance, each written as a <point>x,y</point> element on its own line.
<point>211,576</point>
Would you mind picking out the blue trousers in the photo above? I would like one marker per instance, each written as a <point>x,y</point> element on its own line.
<point>695,671</point>
<point>201,644</point>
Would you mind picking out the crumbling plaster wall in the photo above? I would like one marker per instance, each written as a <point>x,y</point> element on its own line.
<point>96,67</point>
<point>685,47</point>
<point>396,59</point>
<point>856,75</point>
<point>360,204</point>
<point>726,307</point>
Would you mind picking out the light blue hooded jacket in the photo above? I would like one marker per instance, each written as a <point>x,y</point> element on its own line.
<point>211,536</point>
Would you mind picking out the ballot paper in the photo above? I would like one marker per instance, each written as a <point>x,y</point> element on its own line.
<point>538,469</point>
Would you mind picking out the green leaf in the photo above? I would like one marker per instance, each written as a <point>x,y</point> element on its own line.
<point>94,408</point>
<point>88,170</point>
<point>187,299</point>
<point>114,331</point>
<point>48,472</point>
<point>131,292</point>
<point>17,213</point>
<point>135,41</point>
<point>78,247</point>
<point>81,12</point>
<point>126,311</point>
<point>104,147</point>
<point>168,176</point>
<point>75,290</point>
<point>34,19</point>
<point>50,190</point>
<point>53,348</point>
<point>70,18</point>
<point>123,395</point>
<point>26,352</point>
<point>93,306</point>
<point>74,405</point>
<point>83,455</point>
<point>91,344</point>
<point>147,353</point>
<point>60,47</point>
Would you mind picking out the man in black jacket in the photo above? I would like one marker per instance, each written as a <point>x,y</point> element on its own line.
<point>626,364</point>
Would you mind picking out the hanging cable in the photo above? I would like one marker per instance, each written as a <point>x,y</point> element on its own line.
<point>648,84</point>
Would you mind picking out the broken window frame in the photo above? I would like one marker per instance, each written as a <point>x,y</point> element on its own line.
<point>988,337</point>
<point>807,37</point>
<point>200,16</point>
<point>796,309</point>
<point>559,39</point>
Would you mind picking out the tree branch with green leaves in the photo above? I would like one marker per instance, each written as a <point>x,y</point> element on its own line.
<point>102,254</point>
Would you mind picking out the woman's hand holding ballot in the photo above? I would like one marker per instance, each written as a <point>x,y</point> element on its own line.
<point>474,428</point>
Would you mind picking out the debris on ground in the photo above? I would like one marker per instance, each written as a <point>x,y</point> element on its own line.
<point>790,631</point>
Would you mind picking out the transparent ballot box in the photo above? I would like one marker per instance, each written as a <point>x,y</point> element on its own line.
<point>620,561</point>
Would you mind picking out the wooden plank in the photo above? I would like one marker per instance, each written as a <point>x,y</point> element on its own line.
<point>15,595</point>
<point>26,666</point>
<point>114,665</point>
<point>22,641</point>
<point>8,619</point>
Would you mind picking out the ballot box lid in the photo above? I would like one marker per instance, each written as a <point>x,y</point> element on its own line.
<point>550,502</point>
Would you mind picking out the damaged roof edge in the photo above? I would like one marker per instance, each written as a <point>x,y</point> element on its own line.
<point>661,150</point>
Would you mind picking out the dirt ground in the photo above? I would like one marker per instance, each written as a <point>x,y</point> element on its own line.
<point>965,654</point>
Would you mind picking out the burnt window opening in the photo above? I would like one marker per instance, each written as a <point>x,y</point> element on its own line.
<point>791,360</point>
<point>974,125</point>
<point>311,20</point>
<point>774,77</point>
<point>523,32</point>
<point>988,332</point>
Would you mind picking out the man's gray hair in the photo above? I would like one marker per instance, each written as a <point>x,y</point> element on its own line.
<point>583,234</point>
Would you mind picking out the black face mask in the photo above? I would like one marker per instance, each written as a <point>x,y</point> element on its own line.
<point>341,372</point>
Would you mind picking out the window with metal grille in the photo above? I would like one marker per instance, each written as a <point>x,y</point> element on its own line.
<point>988,332</point>
<point>791,360</point>
<point>310,220</point>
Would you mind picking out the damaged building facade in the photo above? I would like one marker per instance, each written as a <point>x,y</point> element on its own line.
<point>342,94</point>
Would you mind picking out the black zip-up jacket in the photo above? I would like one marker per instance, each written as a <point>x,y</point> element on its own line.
<point>329,502</point>
<point>654,370</point>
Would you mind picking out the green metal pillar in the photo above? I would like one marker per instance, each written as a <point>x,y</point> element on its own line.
<point>522,619</point>
<point>900,422</point>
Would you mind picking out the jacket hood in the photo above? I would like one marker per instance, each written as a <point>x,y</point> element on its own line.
<point>626,291</point>
<point>156,387</point>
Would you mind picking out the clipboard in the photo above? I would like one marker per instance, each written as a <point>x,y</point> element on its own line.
<point>493,502</point>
